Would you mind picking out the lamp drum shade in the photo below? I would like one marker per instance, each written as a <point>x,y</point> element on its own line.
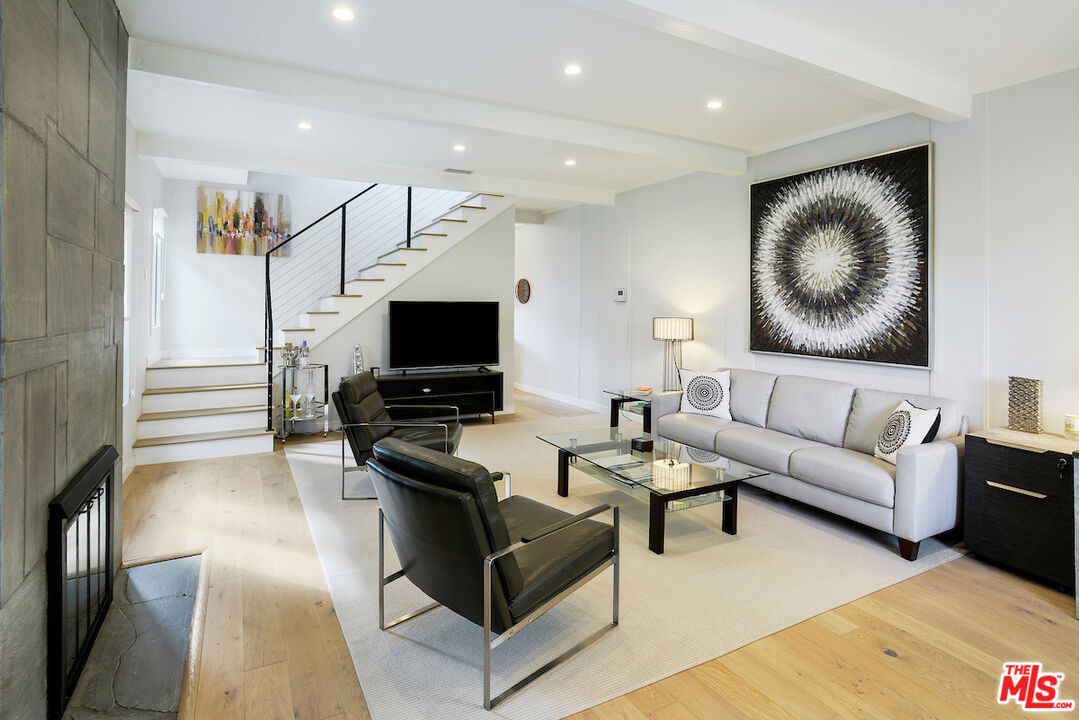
<point>672,328</point>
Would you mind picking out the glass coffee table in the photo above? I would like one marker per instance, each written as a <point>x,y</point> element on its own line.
<point>670,477</point>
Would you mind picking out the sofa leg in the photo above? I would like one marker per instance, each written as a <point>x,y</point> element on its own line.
<point>908,549</point>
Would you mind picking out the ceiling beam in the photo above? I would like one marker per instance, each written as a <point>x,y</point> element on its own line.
<point>275,161</point>
<point>362,97</point>
<point>742,29</point>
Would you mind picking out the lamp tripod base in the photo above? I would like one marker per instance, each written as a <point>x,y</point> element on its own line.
<point>672,361</point>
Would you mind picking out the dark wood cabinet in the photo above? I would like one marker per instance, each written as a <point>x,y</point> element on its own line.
<point>474,392</point>
<point>1019,505</point>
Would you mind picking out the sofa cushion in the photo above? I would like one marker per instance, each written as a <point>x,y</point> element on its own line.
<point>846,471</point>
<point>767,449</point>
<point>706,393</point>
<point>871,408</point>
<point>751,392</point>
<point>907,425</point>
<point>811,408</point>
<point>696,430</point>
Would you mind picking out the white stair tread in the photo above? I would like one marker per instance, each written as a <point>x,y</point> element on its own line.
<point>175,414</point>
<point>202,437</point>
<point>203,388</point>
<point>180,363</point>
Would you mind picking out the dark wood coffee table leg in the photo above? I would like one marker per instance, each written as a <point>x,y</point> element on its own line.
<point>563,473</point>
<point>616,405</point>
<point>646,420</point>
<point>730,511</point>
<point>657,518</point>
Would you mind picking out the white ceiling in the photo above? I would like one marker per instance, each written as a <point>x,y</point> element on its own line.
<point>390,93</point>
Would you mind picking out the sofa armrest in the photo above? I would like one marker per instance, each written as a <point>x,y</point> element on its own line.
<point>665,403</point>
<point>927,489</point>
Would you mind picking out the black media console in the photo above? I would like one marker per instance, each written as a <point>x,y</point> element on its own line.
<point>475,392</point>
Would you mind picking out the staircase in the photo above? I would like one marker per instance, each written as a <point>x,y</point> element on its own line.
<point>383,270</point>
<point>202,409</point>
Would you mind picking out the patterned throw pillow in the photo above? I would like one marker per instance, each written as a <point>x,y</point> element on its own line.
<point>706,393</point>
<point>907,425</point>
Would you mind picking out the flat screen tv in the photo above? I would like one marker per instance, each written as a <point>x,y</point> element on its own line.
<point>427,334</point>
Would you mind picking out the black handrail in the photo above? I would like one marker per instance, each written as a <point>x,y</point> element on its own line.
<point>269,296</point>
<point>310,225</point>
<point>342,208</point>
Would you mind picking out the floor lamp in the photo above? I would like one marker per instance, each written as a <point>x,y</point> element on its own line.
<point>672,330</point>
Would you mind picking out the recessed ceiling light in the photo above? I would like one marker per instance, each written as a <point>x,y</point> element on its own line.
<point>304,125</point>
<point>573,69</point>
<point>714,104</point>
<point>343,14</point>
<point>571,162</point>
<point>459,148</point>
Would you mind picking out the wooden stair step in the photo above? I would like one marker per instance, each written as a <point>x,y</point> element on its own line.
<point>452,220</point>
<point>209,412</point>
<point>382,264</point>
<point>202,437</point>
<point>368,279</point>
<point>334,295</point>
<point>475,207</point>
<point>297,329</point>
<point>173,365</point>
<point>203,388</point>
<point>322,312</point>
<point>427,234</point>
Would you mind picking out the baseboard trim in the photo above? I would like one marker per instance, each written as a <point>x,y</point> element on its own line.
<point>568,400</point>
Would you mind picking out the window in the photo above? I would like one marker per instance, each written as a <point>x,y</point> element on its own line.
<point>159,267</point>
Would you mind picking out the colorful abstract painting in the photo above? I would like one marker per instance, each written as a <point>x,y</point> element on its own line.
<point>840,260</point>
<point>241,222</point>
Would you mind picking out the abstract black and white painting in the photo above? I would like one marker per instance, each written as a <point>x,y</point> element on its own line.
<point>839,262</point>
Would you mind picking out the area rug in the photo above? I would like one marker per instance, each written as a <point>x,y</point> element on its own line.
<point>708,594</point>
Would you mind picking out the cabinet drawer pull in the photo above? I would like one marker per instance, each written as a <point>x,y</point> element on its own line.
<point>1016,446</point>
<point>1011,488</point>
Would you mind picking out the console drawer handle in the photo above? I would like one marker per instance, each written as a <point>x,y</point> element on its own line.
<point>427,390</point>
<point>1021,491</point>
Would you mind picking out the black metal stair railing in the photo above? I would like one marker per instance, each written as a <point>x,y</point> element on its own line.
<point>323,257</point>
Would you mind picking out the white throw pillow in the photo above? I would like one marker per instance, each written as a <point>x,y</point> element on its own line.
<point>907,425</point>
<point>706,393</point>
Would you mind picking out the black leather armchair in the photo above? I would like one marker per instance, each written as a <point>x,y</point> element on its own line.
<point>365,419</point>
<point>498,564</point>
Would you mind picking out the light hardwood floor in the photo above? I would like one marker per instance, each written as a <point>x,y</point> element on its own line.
<point>932,646</point>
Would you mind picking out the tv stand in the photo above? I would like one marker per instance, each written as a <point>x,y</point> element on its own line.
<point>475,392</point>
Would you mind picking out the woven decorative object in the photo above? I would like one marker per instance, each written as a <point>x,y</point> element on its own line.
<point>1024,404</point>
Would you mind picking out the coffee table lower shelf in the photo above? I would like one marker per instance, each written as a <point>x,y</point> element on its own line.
<point>658,504</point>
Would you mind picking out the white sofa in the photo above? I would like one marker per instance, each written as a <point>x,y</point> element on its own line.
<point>816,439</point>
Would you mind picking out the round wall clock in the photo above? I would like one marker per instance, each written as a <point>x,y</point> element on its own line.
<point>523,291</point>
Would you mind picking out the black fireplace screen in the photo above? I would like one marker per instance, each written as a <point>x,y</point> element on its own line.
<point>79,573</point>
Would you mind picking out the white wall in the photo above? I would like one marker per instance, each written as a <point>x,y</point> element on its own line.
<point>1004,252</point>
<point>1032,243</point>
<point>479,268</point>
<point>145,185</point>
<point>547,328</point>
<point>215,304</point>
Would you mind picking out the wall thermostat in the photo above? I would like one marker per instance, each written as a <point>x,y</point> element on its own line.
<point>619,294</point>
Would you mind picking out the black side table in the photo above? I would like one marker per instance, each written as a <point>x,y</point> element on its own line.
<point>621,397</point>
<point>1019,501</point>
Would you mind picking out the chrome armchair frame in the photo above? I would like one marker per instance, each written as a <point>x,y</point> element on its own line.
<point>392,423</point>
<point>488,645</point>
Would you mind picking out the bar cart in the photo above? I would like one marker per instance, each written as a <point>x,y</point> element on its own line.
<point>301,398</point>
